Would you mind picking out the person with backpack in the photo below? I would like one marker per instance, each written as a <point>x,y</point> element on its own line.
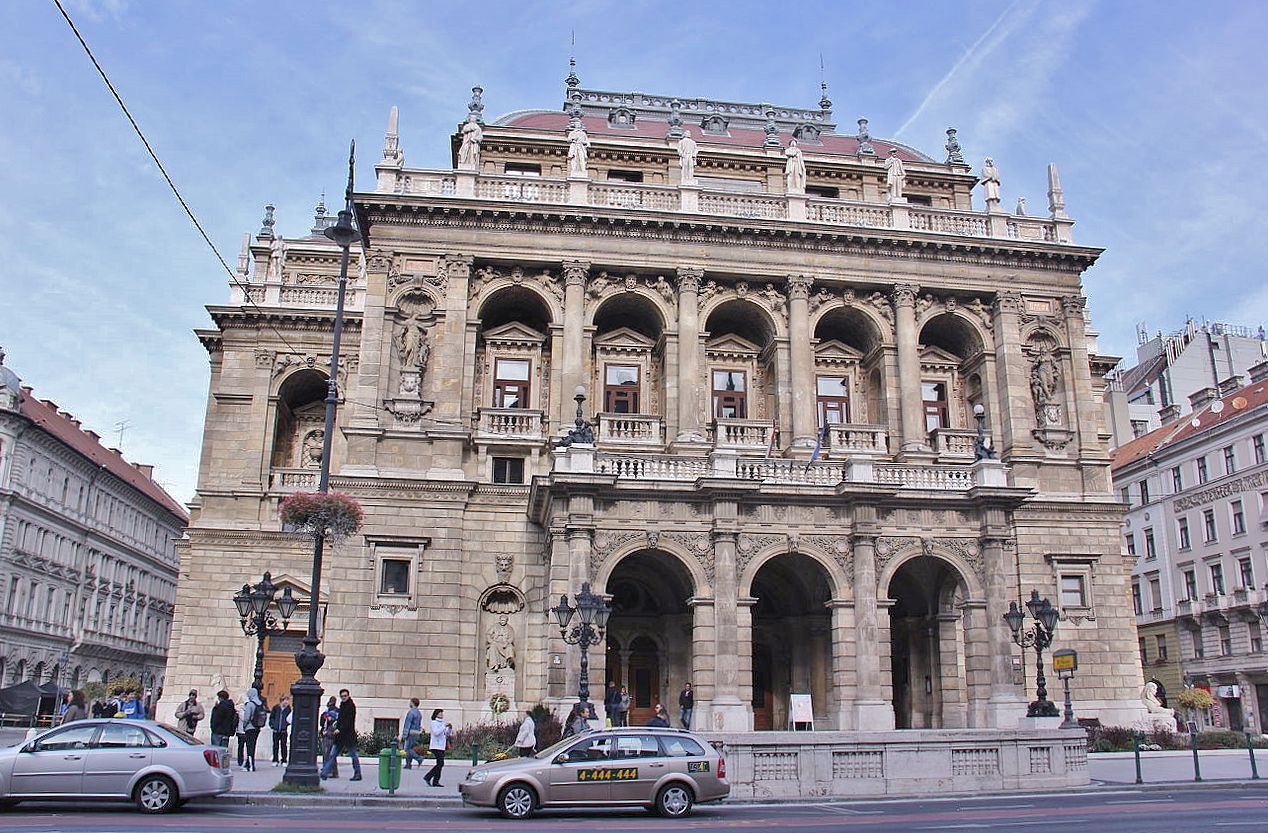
<point>254,716</point>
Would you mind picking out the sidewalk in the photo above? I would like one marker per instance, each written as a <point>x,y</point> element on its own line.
<point>256,787</point>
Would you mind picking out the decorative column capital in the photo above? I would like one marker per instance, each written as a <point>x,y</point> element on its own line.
<point>904,295</point>
<point>457,266</point>
<point>1008,303</point>
<point>689,278</point>
<point>799,287</point>
<point>576,272</point>
<point>1073,305</point>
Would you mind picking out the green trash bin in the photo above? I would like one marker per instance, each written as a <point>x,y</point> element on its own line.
<point>390,768</point>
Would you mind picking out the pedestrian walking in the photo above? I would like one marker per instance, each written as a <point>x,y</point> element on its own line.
<point>76,709</point>
<point>345,736</point>
<point>224,719</point>
<point>280,723</point>
<point>686,705</point>
<point>576,723</point>
<point>611,699</point>
<point>411,732</point>
<point>329,752</point>
<point>189,713</point>
<point>659,717</point>
<point>526,738</point>
<point>441,732</point>
<point>253,715</point>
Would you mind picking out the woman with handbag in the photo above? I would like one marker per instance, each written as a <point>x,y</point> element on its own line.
<point>441,734</point>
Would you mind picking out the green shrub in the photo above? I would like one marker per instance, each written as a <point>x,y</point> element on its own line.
<point>373,743</point>
<point>498,738</point>
<point>1221,739</point>
<point>1102,745</point>
<point>1109,738</point>
<point>1166,739</point>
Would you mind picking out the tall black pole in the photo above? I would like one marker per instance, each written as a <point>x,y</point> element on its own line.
<point>307,691</point>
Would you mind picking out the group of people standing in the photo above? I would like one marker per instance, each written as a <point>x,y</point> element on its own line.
<point>440,739</point>
<point>616,701</point>
<point>243,721</point>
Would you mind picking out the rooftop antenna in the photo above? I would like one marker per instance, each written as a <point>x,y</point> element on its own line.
<point>119,427</point>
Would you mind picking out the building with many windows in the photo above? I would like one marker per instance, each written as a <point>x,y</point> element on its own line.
<point>87,552</point>
<point>1197,531</point>
<point>809,418</point>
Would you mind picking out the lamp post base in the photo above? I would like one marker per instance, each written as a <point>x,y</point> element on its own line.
<point>1043,708</point>
<point>302,771</point>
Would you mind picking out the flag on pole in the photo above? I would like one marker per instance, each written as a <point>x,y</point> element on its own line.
<point>770,446</point>
<point>819,443</point>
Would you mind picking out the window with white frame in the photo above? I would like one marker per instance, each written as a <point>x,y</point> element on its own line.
<point>1216,570</point>
<point>1203,474</point>
<point>1190,585</point>
<point>1230,459</point>
<point>511,383</point>
<point>1073,575</point>
<point>1245,573</point>
<point>1257,446</point>
<point>1177,480</point>
<point>1151,546</point>
<point>1160,642</point>
<point>1138,602</point>
<point>396,564</point>
<point>1073,591</point>
<point>1182,530</point>
<point>1238,517</point>
<point>1208,525</point>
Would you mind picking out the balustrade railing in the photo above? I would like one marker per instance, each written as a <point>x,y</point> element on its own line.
<point>293,480</point>
<point>634,196</point>
<point>844,438</point>
<point>631,429</point>
<point>954,442</point>
<point>948,478</point>
<point>511,422</point>
<point>742,433</point>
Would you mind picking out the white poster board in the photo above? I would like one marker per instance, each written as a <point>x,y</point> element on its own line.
<point>801,713</point>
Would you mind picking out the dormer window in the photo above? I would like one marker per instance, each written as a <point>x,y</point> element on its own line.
<point>621,117</point>
<point>715,125</point>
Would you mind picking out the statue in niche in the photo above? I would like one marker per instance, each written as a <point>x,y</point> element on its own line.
<point>411,344</point>
<point>578,152</point>
<point>469,150</point>
<point>310,449</point>
<point>687,159</point>
<point>795,169</point>
<point>895,175</point>
<point>500,652</point>
<point>1045,380</point>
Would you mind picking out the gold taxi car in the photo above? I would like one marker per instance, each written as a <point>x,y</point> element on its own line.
<point>665,770</point>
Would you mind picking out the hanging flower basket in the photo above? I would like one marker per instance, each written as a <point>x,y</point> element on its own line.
<point>333,514</point>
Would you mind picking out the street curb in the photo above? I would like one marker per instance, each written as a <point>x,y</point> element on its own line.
<point>272,799</point>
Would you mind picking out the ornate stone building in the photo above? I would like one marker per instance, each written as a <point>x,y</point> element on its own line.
<point>778,335</point>
<point>87,552</point>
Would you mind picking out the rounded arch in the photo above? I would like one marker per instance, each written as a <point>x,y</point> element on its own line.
<point>742,316</point>
<point>682,559</point>
<point>958,562</point>
<point>953,332</point>
<point>299,419</point>
<point>860,328</point>
<point>640,309</point>
<point>502,598</point>
<point>505,301</point>
<point>1038,331</point>
<point>839,585</point>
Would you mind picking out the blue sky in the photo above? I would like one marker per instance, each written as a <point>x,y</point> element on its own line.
<point>1155,112</point>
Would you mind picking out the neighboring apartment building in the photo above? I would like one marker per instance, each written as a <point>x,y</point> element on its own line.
<point>1197,530</point>
<point>1179,373</point>
<point>87,552</point>
<point>778,334</point>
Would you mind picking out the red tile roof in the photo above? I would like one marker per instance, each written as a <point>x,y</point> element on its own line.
<point>831,143</point>
<point>66,428</point>
<point>1215,412</point>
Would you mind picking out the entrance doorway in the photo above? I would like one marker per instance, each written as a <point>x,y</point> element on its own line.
<point>927,646</point>
<point>280,671</point>
<point>792,640</point>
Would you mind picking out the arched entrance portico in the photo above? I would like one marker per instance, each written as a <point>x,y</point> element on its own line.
<point>649,643</point>
<point>792,640</point>
<point>927,645</point>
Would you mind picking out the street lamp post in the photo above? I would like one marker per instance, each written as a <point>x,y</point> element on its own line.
<point>1039,637</point>
<point>593,612</point>
<point>257,619</point>
<point>306,691</point>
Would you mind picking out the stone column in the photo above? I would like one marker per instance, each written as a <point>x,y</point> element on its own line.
<point>703,660</point>
<point>689,370</point>
<point>1084,410</point>
<point>576,273</point>
<point>730,713</point>
<point>871,711</point>
<point>915,437</point>
<point>1005,707</point>
<point>977,662</point>
<point>804,398</point>
<point>844,663</point>
<point>1012,408</point>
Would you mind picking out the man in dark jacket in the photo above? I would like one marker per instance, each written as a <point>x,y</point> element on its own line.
<point>280,723</point>
<point>345,736</point>
<point>224,719</point>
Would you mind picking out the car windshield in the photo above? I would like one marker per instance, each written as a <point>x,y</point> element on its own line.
<point>177,734</point>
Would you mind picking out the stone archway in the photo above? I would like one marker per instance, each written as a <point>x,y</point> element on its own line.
<point>927,645</point>
<point>649,644</point>
<point>792,640</point>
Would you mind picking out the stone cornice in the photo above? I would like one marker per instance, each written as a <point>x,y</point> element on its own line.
<point>409,211</point>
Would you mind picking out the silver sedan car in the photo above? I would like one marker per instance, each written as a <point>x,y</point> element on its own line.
<point>664,770</point>
<point>152,764</point>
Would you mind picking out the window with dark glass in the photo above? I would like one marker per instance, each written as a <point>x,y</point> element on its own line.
<point>1131,544</point>
<point>934,395</point>
<point>510,383</point>
<point>395,577</point>
<point>1138,603</point>
<point>1217,578</point>
<point>621,389</point>
<point>1144,492</point>
<point>1151,546</point>
<point>728,394</point>
<point>508,469</point>
<point>834,400</point>
<point>1190,585</point>
<point>1160,642</point>
<point>1238,517</point>
<point>1208,523</point>
<point>1203,475</point>
<point>1230,459</point>
<point>1257,444</point>
<point>1245,573</point>
<point>1177,479</point>
<point>1182,528</point>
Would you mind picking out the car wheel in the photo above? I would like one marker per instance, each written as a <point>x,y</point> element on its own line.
<point>517,801</point>
<point>156,794</point>
<point>674,801</point>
